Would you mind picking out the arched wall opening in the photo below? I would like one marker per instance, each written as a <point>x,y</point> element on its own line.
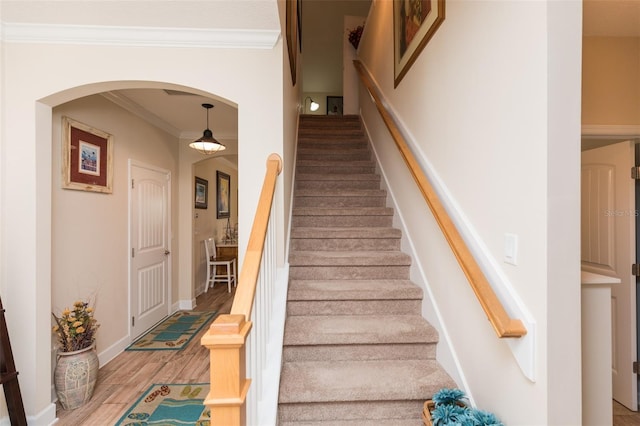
<point>28,99</point>
<point>92,242</point>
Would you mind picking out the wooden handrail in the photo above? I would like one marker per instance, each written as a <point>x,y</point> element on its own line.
<point>503,324</point>
<point>245,293</point>
<point>227,336</point>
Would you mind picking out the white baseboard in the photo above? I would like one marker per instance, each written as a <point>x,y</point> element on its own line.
<point>112,351</point>
<point>44,417</point>
<point>183,305</point>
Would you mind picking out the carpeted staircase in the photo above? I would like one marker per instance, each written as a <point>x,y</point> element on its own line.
<point>356,348</point>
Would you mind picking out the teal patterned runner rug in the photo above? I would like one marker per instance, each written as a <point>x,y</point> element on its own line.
<point>169,405</point>
<point>174,333</point>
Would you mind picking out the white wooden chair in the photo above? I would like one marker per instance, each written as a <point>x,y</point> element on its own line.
<point>213,261</point>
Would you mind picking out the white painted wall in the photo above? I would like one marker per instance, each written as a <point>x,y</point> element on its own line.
<point>31,89</point>
<point>492,105</point>
<point>349,75</point>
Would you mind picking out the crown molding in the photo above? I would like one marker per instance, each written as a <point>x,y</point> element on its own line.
<point>136,109</point>
<point>138,36</point>
<point>610,130</point>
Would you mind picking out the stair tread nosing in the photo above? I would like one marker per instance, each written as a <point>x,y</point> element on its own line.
<point>379,380</point>
<point>353,290</point>
<point>325,163</point>
<point>349,258</point>
<point>345,232</point>
<point>326,193</point>
<point>337,176</point>
<point>358,329</point>
<point>346,211</point>
<point>361,422</point>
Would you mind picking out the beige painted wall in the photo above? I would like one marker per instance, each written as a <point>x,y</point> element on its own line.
<point>611,81</point>
<point>90,244</point>
<point>322,44</point>
<point>491,108</point>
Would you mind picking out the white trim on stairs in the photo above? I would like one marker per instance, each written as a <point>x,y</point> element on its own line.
<point>524,348</point>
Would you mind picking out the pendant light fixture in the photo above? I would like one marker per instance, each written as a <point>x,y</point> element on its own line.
<point>207,144</point>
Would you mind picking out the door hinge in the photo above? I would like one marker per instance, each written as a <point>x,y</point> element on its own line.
<point>635,172</point>
<point>635,367</point>
<point>133,321</point>
<point>133,252</point>
<point>132,184</point>
<point>635,270</point>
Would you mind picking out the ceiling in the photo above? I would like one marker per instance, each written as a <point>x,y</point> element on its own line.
<point>182,114</point>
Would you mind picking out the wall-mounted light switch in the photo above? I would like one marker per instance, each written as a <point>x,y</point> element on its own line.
<point>511,249</point>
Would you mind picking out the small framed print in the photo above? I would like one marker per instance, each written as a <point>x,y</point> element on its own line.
<point>223,198</point>
<point>201,193</point>
<point>87,158</point>
<point>334,105</point>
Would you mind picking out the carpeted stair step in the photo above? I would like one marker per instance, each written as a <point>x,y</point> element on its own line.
<point>310,120</point>
<point>340,198</point>
<point>349,217</point>
<point>349,265</point>
<point>349,258</point>
<point>340,167</point>
<point>335,181</point>
<point>353,414</point>
<point>375,422</point>
<point>338,131</point>
<point>357,350</point>
<point>334,143</point>
<point>353,297</point>
<point>352,154</point>
<point>365,330</point>
<point>341,238</point>
<point>357,384</point>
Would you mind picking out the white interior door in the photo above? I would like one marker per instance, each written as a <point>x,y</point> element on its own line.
<point>608,248</point>
<point>149,227</point>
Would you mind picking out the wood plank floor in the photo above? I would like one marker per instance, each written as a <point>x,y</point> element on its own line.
<point>622,416</point>
<point>123,380</point>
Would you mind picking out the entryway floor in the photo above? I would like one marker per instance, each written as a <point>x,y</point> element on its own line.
<point>123,380</point>
<point>622,416</point>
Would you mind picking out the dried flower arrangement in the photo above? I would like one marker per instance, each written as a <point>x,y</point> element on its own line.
<point>447,407</point>
<point>76,328</point>
<point>355,34</point>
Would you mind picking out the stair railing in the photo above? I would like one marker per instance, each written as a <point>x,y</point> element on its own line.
<point>227,338</point>
<point>502,323</point>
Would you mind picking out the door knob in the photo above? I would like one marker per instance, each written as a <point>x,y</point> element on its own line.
<point>167,252</point>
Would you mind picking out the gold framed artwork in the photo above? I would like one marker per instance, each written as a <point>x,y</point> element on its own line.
<point>87,158</point>
<point>414,23</point>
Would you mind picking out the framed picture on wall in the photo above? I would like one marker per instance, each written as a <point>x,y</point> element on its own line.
<point>414,23</point>
<point>201,193</point>
<point>87,158</point>
<point>334,105</point>
<point>292,33</point>
<point>223,197</point>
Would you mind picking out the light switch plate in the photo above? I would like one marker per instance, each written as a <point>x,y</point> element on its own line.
<point>511,249</point>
